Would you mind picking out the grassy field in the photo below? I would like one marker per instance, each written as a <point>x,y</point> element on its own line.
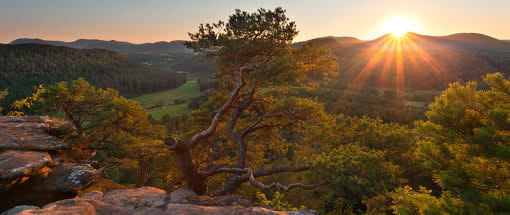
<point>161,103</point>
<point>414,104</point>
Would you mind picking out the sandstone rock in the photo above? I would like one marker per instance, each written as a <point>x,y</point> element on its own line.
<point>19,209</point>
<point>262,211</point>
<point>305,212</point>
<point>67,207</point>
<point>96,195</point>
<point>181,195</point>
<point>136,198</point>
<point>15,164</point>
<point>231,200</point>
<point>145,211</point>
<point>148,200</point>
<point>70,177</point>
<point>189,209</point>
<point>104,208</point>
<point>27,133</point>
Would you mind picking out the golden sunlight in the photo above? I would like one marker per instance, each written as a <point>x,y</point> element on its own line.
<point>398,26</point>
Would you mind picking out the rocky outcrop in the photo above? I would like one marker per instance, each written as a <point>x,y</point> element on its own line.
<point>15,164</point>
<point>149,200</point>
<point>19,209</point>
<point>27,133</point>
<point>30,162</point>
<point>69,177</point>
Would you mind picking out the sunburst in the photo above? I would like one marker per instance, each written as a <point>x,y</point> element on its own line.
<point>399,26</point>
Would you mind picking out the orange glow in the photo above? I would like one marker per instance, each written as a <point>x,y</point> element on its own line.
<point>387,59</point>
<point>399,26</point>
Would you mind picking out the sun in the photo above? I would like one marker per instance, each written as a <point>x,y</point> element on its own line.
<point>399,26</point>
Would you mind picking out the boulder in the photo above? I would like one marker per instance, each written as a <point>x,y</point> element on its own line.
<point>305,212</point>
<point>19,209</point>
<point>232,200</point>
<point>136,198</point>
<point>70,177</point>
<point>96,195</point>
<point>188,209</point>
<point>66,206</point>
<point>16,164</point>
<point>181,195</point>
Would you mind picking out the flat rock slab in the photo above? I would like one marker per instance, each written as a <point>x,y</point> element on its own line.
<point>27,133</point>
<point>136,198</point>
<point>15,164</point>
<point>144,201</point>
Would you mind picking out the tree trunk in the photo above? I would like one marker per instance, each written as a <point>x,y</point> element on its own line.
<point>194,180</point>
<point>232,184</point>
<point>145,168</point>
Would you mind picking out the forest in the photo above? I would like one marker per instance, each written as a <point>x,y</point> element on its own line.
<point>274,130</point>
<point>26,66</point>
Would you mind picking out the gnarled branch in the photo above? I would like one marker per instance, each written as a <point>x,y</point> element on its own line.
<point>240,83</point>
<point>251,177</point>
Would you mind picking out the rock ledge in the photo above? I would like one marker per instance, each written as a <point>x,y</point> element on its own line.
<point>148,200</point>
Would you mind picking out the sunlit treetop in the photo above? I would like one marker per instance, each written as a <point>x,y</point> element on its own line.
<point>259,45</point>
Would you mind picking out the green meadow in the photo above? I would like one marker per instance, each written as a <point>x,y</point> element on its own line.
<point>173,102</point>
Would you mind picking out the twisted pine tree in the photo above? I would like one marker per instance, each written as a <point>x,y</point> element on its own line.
<point>257,69</point>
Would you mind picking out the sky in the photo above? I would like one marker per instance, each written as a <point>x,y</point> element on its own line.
<point>141,21</point>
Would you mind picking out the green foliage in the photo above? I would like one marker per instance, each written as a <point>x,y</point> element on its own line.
<point>277,202</point>
<point>465,143</point>
<point>3,93</point>
<point>356,174</point>
<point>103,120</point>
<point>20,106</point>
<point>390,105</point>
<point>406,201</point>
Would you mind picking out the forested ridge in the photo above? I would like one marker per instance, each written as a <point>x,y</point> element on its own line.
<point>23,67</point>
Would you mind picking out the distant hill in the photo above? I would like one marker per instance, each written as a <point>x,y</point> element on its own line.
<point>331,41</point>
<point>419,61</point>
<point>425,62</point>
<point>22,67</point>
<point>117,46</point>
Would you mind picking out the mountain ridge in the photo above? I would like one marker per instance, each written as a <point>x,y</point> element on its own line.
<point>176,46</point>
<point>428,62</point>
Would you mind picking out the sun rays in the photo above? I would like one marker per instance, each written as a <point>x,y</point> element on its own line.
<point>390,59</point>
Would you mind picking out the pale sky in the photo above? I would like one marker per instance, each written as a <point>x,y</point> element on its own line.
<point>140,21</point>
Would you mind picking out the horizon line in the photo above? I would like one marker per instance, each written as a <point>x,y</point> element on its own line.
<point>297,41</point>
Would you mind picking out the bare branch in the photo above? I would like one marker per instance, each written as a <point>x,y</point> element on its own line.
<point>263,172</point>
<point>228,104</point>
<point>236,113</point>
<point>251,177</point>
<point>269,160</point>
<point>253,127</point>
<point>211,170</point>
